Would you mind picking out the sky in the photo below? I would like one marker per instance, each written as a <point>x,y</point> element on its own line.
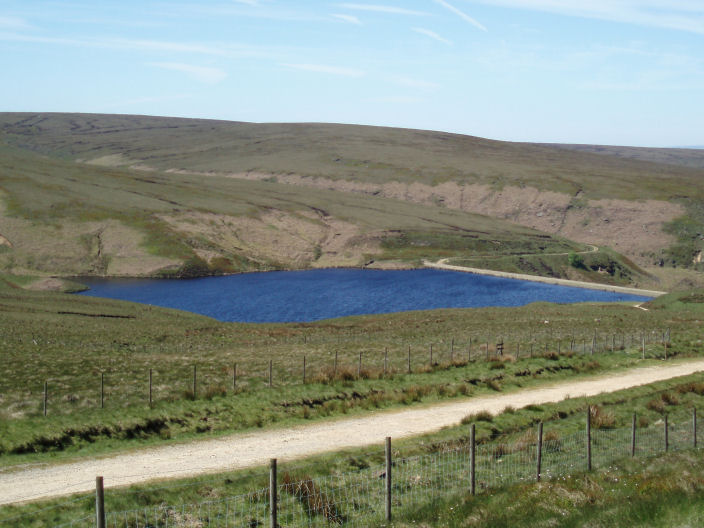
<point>620,72</point>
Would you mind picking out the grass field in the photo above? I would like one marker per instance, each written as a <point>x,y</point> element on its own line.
<point>577,497</point>
<point>69,341</point>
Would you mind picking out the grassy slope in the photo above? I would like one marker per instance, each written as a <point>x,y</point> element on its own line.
<point>70,340</point>
<point>44,185</point>
<point>60,199</point>
<point>343,151</point>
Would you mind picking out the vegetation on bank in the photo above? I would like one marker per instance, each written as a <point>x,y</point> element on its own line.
<point>627,488</point>
<point>74,343</point>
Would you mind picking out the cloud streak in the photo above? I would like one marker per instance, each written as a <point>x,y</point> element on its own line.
<point>464,16</point>
<point>432,35</point>
<point>204,74</point>
<point>383,9</point>
<point>348,18</point>
<point>680,15</point>
<point>322,68</point>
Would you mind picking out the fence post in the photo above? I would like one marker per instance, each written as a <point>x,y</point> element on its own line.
<point>386,359</point>
<point>472,459</point>
<point>273,499</point>
<point>694,426</point>
<point>46,395</point>
<point>633,436</point>
<point>518,350</point>
<point>195,373</point>
<point>643,345</point>
<point>487,350</point>
<point>234,376</point>
<point>589,437</point>
<point>388,478</point>
<point>469,350</point>
<point>99,503</point>
<point>304,370</point>
<point>102,390</point>
<point>667,432</point>
<point>540,450</point>
<point>665,345</point>
<point>150,387</point>
<point>334,367</point>
<point>409,359</point>
<point>431,355</point>
<point>452,351</point>
<point>531,350</point>
<point>359,366</point>
<point>558,347</point>
<point>271,365</point>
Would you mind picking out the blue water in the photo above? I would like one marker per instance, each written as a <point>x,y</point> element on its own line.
<point>288,296</point>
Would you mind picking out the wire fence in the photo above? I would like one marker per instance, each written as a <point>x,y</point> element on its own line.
<point>369,496</point>
<point>280,364</point>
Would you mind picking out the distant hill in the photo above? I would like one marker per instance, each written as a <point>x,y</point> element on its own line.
<point>130,195</point>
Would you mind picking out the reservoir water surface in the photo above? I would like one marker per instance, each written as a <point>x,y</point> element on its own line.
<point>311,295</point>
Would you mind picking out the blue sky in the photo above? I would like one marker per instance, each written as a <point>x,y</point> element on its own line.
<point>627,72</point>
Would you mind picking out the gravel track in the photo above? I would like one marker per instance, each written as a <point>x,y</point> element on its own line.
<point>256,448</point>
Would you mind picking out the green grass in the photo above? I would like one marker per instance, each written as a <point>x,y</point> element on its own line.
<point>603,266</point>
<point>579,498</point>
<point>69,341</point>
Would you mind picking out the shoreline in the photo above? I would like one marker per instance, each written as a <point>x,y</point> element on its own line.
<point>441,264</point>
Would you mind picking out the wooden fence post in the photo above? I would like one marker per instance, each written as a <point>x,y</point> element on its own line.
<point>304,370</point>
<point>558,347</point>
<point>643,344</point>
<point>271,373</point>
<point>409,359</point>
<point>102,390</point>
<point>589,438</point>
<point>388,478</point>
<point>359,365</point>
<point>150,387</point>
<point>472,459</point>
<point>452,351</point>
<point>694,426</point>
<point>665,345</point>
<point>667,435</point>
<point>234,376</point>
<point>487,350</point>
<point>518,349</point>
<point>46,395</point>
<point>195,377</point>
<point>334,367</point>
<point>469,350</point>
<point>386,359</point>
<point>539,450</point>
<point>99,503</point>
<point>431,355</point>
<point>273,492</point>
<point>531,350</point>
<point>633,436</point>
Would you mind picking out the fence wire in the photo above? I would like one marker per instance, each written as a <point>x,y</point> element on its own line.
<point>357,499</point>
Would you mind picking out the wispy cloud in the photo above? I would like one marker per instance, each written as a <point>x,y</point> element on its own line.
<point>383,9</point>
<point>223,49</point>
<point>348,18</point>
<point>415,83</point>
<point>398,99</point>
<point>14,23</point>
<point>247,2</point>
<point>322,68</point>
<point>461,14</point>
<point>204,74</point>
<point>682,15</point>
<point>432,35</point>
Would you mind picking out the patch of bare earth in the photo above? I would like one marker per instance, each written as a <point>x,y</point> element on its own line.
<point>291,239</point>
<point>634,228</point>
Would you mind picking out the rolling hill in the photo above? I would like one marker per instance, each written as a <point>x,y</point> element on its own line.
<point>138,195</point>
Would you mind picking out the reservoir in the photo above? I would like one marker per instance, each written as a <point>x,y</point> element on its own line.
<point>311,295</point>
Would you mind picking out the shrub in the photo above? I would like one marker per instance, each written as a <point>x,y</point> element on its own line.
<point>600,418</point>
<point>669,398</point>
<point>481,416</point>
<point>575,260</point>
<point>656,404</point>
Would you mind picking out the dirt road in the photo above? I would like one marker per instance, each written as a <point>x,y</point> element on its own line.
<point>442,264</point>
<point>256,448</point>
